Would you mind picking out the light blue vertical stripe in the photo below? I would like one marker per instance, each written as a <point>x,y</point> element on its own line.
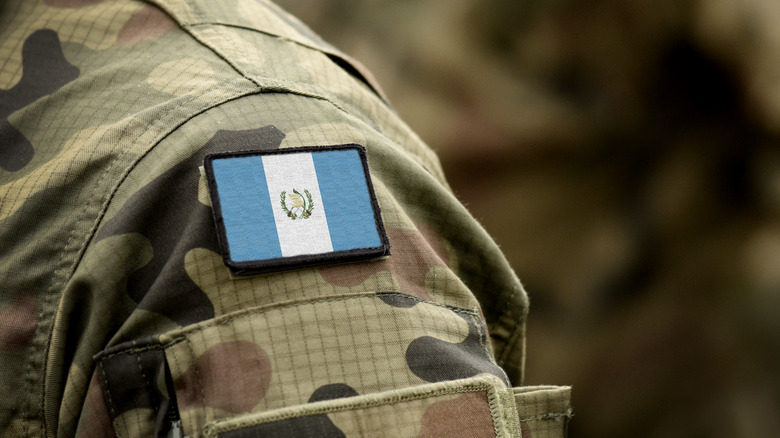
<point>246,208</point>
<point>345,199</point>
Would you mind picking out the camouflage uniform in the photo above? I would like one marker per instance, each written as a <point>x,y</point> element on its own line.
<point>118,316</point>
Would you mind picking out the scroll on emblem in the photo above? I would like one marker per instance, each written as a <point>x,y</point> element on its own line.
<point>298,206</point>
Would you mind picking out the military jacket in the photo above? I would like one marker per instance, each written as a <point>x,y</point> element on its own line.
<point>118,315</point>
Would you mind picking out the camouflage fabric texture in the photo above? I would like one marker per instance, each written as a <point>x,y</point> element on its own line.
<point>118,316</point>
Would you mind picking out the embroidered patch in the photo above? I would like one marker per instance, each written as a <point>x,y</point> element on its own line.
<point>293,208</point>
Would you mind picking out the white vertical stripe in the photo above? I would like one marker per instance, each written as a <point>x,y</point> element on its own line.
<point>285,172</point>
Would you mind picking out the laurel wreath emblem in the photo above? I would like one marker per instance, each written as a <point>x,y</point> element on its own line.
<point>298,201</point>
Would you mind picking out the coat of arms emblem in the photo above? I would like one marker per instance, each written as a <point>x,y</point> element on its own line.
<point>298,205</point>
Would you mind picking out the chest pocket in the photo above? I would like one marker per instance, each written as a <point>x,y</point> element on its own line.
<point>357,365</point>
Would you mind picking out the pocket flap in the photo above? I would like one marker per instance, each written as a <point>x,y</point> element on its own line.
<point>474,407</point>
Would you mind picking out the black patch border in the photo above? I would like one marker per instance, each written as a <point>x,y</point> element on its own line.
<point>255,267</point>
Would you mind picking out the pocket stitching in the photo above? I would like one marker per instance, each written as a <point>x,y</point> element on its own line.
<point>107,392</point>
<point>471,385</point>
<point>167,340</point>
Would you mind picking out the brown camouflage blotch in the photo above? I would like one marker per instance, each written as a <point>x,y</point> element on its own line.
<point>351,275</point>
<point>97,421</point>
<point>18,322</point>
<point>72,3</point>
<point>466,416</point>
<point>232,376</point>
<point>435,242</point>
<point>413,254</point>
<point>147,24</point>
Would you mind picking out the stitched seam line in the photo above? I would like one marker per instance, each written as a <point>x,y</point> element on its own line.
<point>272,85</point>
<point>263,32</point>
<point>90,235</point>
<point>549,416</point>
<point>482,335</point>
<point>132,351</point>
<point>148,383</point>
<point>190,28</point>
<point>321,47</point>
<point>483,340</point>
<point>472,387</point>
<point>109,400</point>
<point>495,412</point>
<point>133,165</point>
<point>226,40</point>
<point>258,311</point>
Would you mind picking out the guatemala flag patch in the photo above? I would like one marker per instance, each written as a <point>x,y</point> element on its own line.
<point>293,208</point>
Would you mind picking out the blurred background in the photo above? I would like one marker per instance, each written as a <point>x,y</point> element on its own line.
<point>626,157</point>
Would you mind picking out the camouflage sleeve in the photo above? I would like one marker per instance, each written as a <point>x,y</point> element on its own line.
<point>406,326</point>
<point>144,332</point>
